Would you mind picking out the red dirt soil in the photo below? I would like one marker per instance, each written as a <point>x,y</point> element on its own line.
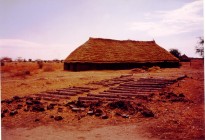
<point>172,120</point>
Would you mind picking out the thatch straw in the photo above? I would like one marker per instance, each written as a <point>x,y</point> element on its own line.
<point>97,50</point>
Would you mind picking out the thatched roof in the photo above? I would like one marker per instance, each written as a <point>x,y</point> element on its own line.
<point>98,50</point>
<point>184,58</point>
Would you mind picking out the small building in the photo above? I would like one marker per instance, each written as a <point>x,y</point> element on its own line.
<point>184,58</point>
<point>101,54</point>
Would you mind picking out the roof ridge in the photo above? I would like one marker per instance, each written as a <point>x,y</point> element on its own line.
<point>105,39</point>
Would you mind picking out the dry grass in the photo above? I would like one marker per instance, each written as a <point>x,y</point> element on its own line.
<point>22,73</point>
<point>145,69</point>
<point>54,66</point>
<point>48,68</point>
<point>154,68</point>
<point>12,67</point>
<point>137,70</point>
<point>106,50</point>
<point>28,68</point>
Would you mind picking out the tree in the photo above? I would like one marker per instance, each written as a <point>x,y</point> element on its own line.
<point>19,59</point>
<point>200,47</point>
<point>6,59</point>
<point>175,52</point>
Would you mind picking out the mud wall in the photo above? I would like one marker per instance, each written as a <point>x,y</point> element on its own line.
<point>116,66</point>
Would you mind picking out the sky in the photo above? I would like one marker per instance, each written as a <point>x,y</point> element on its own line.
<point>52,29</point>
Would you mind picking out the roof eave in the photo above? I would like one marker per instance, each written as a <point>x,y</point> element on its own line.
<point>155,61</point>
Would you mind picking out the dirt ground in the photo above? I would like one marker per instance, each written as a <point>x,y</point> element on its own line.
<point>172,120</point>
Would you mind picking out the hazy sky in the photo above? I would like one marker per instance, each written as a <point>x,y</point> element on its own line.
<point>49,29</point>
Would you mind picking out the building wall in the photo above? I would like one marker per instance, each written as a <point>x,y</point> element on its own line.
<point>116,66</point>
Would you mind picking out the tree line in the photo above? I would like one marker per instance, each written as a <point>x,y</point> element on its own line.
<point>20,59</point>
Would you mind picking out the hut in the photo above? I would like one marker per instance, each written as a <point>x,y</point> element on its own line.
<point>99,54</point>
<point>184,58</point>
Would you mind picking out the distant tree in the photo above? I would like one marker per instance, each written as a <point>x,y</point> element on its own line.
<point>19,59</point>
<point>175,52</point>
<point>55,60</point>
<point>29,60</point>
<point>200,47</point>
<point>37,60</point>
<point>6,59</point>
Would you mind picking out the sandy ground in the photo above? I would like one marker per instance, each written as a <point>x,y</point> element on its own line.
<point>44,81</point>
<point>172,120</point>
<point>120,132</point>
